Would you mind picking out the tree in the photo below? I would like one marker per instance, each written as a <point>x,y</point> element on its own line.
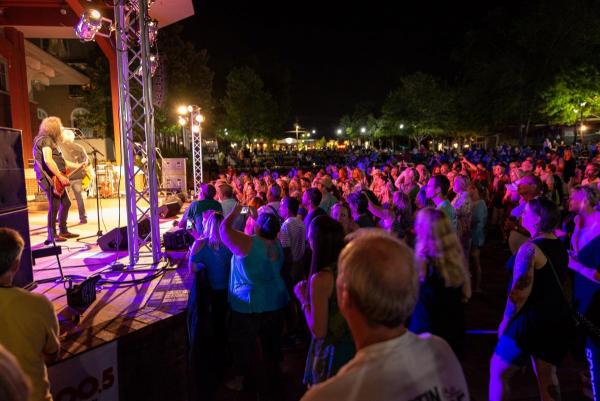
<point>189,79</point>
<point>516,56</point>
<point>421,105</point>
<point>96,96</point>
<point>573,95</point>
<point>250,111</point>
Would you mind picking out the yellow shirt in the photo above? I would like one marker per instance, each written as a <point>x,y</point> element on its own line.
<point>29,330</point>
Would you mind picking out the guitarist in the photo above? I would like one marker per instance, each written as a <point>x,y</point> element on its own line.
<point>75,153</point>
<point>49,162</point>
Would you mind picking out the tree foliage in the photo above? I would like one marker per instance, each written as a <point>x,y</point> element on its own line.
<point>189,78</point>
<point>96,96</point>
<point>517,55</point>
<point>250,111</point>
<point>573,95</point>
<point>421,105</point>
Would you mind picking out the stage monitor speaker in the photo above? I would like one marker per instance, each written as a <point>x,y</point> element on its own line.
<point>116,239</point>
<point>169,209</point>
<point>18,220</point>
<point>13,193</point>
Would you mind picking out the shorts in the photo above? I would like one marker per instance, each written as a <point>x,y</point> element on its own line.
<point>509,351</point>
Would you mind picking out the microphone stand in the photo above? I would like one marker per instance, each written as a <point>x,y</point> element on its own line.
<point>95,152</point>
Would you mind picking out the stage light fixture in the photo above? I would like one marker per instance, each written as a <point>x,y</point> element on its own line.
<point>92,23</point>
<point>152,31</point>
<point>89,25</point>
<point>153,64</point>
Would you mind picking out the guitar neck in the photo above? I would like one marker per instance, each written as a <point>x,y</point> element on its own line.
<point>78,169</point>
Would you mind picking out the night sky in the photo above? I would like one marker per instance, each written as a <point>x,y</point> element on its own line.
<point>339,54</point>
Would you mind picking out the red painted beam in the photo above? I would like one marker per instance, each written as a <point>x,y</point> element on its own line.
<point>29,16</point>
<point>32,3</point>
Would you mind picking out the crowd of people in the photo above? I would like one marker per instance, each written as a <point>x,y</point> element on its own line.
<point>368,260</point>
<point>372,252</point>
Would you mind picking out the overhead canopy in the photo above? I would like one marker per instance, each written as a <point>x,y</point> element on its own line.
<point>287,141</point>
<point>46,69</point>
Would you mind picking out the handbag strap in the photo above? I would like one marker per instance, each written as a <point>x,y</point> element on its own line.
<point>555,274</point>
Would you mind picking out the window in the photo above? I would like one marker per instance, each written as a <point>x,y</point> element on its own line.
<point>3,75</point>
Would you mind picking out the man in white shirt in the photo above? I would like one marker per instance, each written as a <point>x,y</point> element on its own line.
<point>377,288</point>
<point>292,237</point>
<point>228,203</point>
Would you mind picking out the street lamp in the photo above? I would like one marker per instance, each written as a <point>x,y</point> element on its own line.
<point>314,131</point>
<point>195,120</point>
<point>401,126</point>
<point>363,130</point>
<point>339,131</point>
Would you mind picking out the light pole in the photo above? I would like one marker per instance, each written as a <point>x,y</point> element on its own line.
<point>192,112</point>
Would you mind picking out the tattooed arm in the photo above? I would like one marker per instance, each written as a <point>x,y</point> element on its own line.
<point>521,284</point>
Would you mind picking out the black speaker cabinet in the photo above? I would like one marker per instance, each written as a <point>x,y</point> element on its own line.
<point>19,220</point>
<point>116,239</point>
<point>169,209</point>
<point>13,194</point>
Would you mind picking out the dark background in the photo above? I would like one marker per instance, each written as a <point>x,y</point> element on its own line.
<point>337,54</point>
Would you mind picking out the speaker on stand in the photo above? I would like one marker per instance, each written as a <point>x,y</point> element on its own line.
<point>13,198</point>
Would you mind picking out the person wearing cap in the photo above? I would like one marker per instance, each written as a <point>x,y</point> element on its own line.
<point>325,185</point>
<point>257,293</point>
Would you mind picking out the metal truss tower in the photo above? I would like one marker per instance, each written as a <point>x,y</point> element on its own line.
<point>196,150</point>
<point>137,126</point>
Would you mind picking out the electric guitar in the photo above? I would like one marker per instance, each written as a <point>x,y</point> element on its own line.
<point>57,187</point>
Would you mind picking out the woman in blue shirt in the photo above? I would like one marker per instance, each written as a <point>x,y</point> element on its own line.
<point>257,292</point>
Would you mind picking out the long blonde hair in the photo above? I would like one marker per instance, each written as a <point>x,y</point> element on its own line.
<point>51,126</point>
<point>438,244</point>
<point>211,230</point>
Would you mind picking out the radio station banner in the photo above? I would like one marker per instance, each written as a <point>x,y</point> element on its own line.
<point>91,376</point>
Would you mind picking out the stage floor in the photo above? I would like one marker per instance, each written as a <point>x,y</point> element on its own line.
<point>120,308</point>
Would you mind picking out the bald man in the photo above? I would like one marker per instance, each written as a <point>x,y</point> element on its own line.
<point>377,288</point>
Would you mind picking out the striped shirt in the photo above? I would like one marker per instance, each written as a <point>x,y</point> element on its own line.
<point>293,236</point>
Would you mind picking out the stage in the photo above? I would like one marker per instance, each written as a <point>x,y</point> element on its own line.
<point>147,311</point>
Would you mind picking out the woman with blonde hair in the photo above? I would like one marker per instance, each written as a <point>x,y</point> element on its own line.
<point>210,261</point>
<point>445,283</point>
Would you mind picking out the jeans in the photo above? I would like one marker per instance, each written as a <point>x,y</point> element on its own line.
<point>56,206</point>
<point>77,189</point>
<point>592,354</point>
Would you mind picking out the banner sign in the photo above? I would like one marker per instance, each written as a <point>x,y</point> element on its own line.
<point>91,376</point>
